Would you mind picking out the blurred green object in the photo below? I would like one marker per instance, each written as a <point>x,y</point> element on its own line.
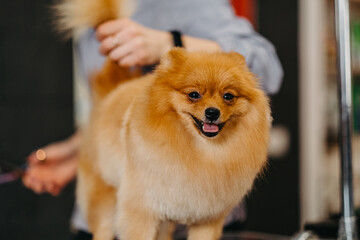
<point>356,103</point>
<point>355,55</point>
<point>355,46</point>
<point>355,31</point>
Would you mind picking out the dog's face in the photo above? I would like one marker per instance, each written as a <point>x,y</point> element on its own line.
<point>209,91</point>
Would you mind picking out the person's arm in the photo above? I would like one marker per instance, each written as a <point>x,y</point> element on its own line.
<point>129,43</point>
<point>199,44</point>
<point>259,53</point>
<point>218,23</point>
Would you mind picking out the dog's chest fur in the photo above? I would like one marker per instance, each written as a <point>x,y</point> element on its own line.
<point>170,187</point>
<point>181,187</point>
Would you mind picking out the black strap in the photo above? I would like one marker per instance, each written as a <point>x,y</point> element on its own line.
<point>177,38</point>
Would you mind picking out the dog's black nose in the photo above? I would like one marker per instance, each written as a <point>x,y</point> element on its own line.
<point>212,114</point>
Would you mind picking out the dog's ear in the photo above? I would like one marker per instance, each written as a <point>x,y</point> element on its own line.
<point>175,57</point>
<point>240,59</point>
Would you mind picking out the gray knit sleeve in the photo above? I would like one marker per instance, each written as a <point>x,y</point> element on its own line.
<point>215,20</point>
<point>260,54</point>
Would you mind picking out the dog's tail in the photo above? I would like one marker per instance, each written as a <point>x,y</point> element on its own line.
<point>110,76</point>
<point>74,15</point>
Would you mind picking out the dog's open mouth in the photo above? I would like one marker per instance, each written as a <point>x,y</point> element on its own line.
<point>209,129</point>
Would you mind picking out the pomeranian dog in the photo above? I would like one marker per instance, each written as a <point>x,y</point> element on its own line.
<point>181,145</point>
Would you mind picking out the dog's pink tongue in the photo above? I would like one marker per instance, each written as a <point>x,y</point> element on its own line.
<point>210,128</point>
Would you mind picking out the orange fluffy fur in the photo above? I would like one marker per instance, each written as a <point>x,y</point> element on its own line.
<point>72,16</point>
<point>144,164</point>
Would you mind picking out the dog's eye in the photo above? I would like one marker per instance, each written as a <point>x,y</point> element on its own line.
<point>194,95</point>
<point>228,96</point>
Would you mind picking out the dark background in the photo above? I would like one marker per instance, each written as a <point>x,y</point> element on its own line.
<point>274,204</point>
<point>36,108</point>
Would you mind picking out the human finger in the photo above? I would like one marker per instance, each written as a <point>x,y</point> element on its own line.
<point>131,59</point>
<point>31,180</point>
<point>108,44</point>
<point>111,27</point>
<point>37,186</point>
<point>53,189</point>
<point>27,181</point>
<point>121,51</point>
<point>29,177</point>
<point>117,39</point>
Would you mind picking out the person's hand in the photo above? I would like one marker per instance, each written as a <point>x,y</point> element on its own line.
<point>131,44</point>
<point>52,167</point>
